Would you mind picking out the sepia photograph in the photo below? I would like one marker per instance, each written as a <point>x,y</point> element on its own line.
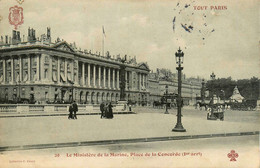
<point>129,84</point>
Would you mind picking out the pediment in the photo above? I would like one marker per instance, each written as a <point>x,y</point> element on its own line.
<point>144,66</point>
<point>63,46</point>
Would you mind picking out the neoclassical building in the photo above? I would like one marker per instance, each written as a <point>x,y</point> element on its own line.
<point>40,70</point>
<point>157,82</point>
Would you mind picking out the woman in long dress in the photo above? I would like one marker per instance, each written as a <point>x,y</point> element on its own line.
<point>110,111</point>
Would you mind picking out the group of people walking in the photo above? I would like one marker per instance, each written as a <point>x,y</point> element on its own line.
<point>106,110</point>
<point>73,108</point>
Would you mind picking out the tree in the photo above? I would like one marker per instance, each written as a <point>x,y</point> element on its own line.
<point>249,88</point>
<point>221,87</point>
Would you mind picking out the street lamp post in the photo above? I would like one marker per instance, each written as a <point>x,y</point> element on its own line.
<point>166,95</point>
<point>203,91</point>
<point>19,91</point>
<point>212,116</point>
<point>179,60</point>
<point>72,88</point>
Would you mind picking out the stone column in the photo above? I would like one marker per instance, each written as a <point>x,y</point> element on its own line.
<point>72,71</point>
<point>129,80</point>
<point>12,70</point>
<point>65,70</point>
<point>114,81</point>
<point>77,72</point>
<point>88,75</point>
<point>146,80</point>
<point>104,77</point>
<point>4,70</point>
<point>29,68</point>
<point>126,83</point>
<point>109,78</point>
<point>20,68</point>
<point>99,76</point>
<point>83,74</point>
<point>140,81</point>
<point>94,75</point>
<point>132,80</point>
<point>50,68</point>
<point>42,59</point>
<point>38,67</point>
<point>117,75</point>
<point>58,71</point>
<point>143,80</point>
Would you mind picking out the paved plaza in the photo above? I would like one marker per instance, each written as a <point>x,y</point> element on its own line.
<point>146,123</point>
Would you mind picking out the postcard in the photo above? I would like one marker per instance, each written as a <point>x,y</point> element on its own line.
<point>128,83</point>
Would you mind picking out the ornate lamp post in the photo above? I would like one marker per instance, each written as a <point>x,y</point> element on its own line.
<point>166,95</point>
<point>19,91</point>
<point>72,88</point>
<point>212,117</point>
<point>179,60</point>
<point>203,91</point>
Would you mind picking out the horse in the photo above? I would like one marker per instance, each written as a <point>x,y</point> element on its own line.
<point>201,104</point>
<point>157,104</point>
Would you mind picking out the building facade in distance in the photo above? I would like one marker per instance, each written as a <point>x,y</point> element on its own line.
<point>157,82</point>
<point>46,72</point>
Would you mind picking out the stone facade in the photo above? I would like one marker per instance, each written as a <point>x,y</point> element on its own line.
<point>49,72</point>
<point>191,87</point>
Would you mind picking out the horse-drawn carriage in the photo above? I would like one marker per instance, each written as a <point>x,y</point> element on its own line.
<point>216,112</point>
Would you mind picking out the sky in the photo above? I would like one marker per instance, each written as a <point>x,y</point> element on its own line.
<point>225,41</point>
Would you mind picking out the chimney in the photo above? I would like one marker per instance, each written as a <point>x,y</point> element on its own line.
<point>14,34</point>
<point>6,39</point>
<point>33,34</point>
<point>48,32</point>
<point>2,39</point>
<point>18,36</point>
<point>29,35</point>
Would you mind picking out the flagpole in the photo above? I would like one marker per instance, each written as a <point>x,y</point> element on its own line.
<point>103,41</point>
<point>103,45</point>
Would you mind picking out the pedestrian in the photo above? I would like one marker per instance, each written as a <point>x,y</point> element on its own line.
<point>102,109</point>
<point>75,109</point>
<point>110,111</point>
<point>130,107</point>
<point>70,111</point>
<point>106,110</point>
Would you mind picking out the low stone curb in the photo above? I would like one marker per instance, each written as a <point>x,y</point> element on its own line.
<point>122,141</point>
<point>63,114</point>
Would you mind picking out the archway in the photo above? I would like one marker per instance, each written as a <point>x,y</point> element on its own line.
<point>86,98</point>
<point>103,97</point>
<point>116,96</point>
<point>98,98</point>
<point>112,97</point>
<point>92,97</point>
<point>81,96</point>
<point>108,97</point>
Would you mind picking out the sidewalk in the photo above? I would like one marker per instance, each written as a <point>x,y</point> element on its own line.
<point>50,132</point>
<point>43,114</point>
